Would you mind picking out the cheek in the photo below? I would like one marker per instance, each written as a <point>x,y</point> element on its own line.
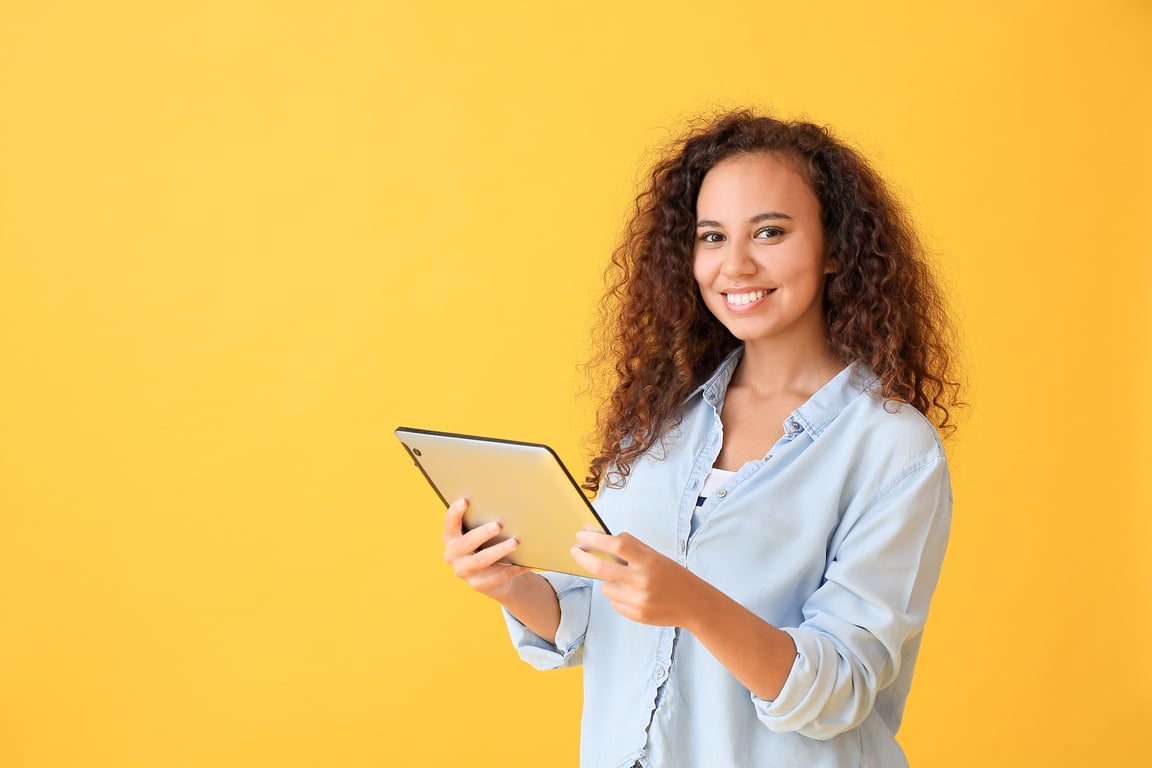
<point>804,267</point>
<point>704,267</point>
<point>698,271</point>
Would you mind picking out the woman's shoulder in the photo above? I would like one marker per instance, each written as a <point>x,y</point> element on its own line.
<point>893,425</point>
<point>883,444</point>
<point>851,410</point>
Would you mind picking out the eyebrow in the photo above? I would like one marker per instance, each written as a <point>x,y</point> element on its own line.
<point>754,220</point>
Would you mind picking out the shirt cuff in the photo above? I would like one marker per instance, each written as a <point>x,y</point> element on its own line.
<point>575,596</point>
<point>816,691</point>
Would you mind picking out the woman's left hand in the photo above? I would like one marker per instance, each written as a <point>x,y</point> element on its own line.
<point>646,586</point>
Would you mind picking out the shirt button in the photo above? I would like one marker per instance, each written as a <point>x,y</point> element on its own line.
<point>721,493</point>
<point>660,673</point>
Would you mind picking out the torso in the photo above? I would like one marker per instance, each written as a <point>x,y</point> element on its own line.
<point>765,543</point>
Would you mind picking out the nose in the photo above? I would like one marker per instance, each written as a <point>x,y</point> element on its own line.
<point>738,260</point>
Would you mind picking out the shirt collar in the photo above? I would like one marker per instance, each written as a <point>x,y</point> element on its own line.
<point>717,384</point>
<point>827,403</point>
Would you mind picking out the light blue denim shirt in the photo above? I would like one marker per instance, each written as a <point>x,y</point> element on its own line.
<point>836,537</point>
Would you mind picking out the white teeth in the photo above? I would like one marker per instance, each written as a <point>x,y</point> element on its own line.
<point>739,299</point>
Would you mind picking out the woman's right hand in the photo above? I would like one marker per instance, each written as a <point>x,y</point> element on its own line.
<point>479,567</point>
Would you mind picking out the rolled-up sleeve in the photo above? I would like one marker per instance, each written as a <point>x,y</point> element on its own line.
<point>575,596</point>
<point>872,605</point>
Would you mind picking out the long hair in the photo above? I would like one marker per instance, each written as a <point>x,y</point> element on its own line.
<point>882,306</point>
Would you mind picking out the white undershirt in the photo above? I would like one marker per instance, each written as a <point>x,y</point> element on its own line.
<point>715,480</point>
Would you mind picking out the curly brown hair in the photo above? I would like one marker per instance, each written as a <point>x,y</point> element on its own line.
<point>882,306</point>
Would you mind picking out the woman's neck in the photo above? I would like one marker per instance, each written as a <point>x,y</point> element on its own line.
<point>769,368</point>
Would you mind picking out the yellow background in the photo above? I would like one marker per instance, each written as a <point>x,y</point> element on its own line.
<point>240,242</point>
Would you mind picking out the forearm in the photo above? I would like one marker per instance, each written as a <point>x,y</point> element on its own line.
<point>530,598</point>
<point>757,654</point>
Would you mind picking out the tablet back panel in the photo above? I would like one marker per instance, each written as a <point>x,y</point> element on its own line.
<point>523,485</point>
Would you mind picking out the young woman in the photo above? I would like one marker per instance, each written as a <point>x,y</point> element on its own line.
<point>769,454</point>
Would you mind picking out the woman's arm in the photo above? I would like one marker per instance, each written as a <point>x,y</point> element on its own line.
<point>526,595</point>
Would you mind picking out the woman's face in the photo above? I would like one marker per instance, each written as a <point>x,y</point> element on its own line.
<point>759,257</point>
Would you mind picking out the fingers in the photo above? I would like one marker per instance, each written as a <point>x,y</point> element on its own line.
<point>483,570</point>
<point>643,585</point>
<point>623,546</point>
<point>454,520</point>
<point>471,542</point>
<point>463,550</point>
<point>621,558</point>
<point>469,565</point>
<point>480,568</point>
<point>456,541</point>
<point>598,566</point>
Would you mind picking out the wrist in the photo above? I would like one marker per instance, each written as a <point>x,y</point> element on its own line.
<point>507,591</point>
<point>698,602</point>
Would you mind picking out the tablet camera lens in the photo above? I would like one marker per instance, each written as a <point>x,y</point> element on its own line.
<point>416,452</point>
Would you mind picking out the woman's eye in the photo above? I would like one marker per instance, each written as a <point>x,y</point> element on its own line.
<point>769,232</point>
<point>711,237</point>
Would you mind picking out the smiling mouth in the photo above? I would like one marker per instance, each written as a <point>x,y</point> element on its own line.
<point>740,299</point>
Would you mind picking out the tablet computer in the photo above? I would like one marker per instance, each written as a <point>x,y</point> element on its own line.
<point>523,485</point>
